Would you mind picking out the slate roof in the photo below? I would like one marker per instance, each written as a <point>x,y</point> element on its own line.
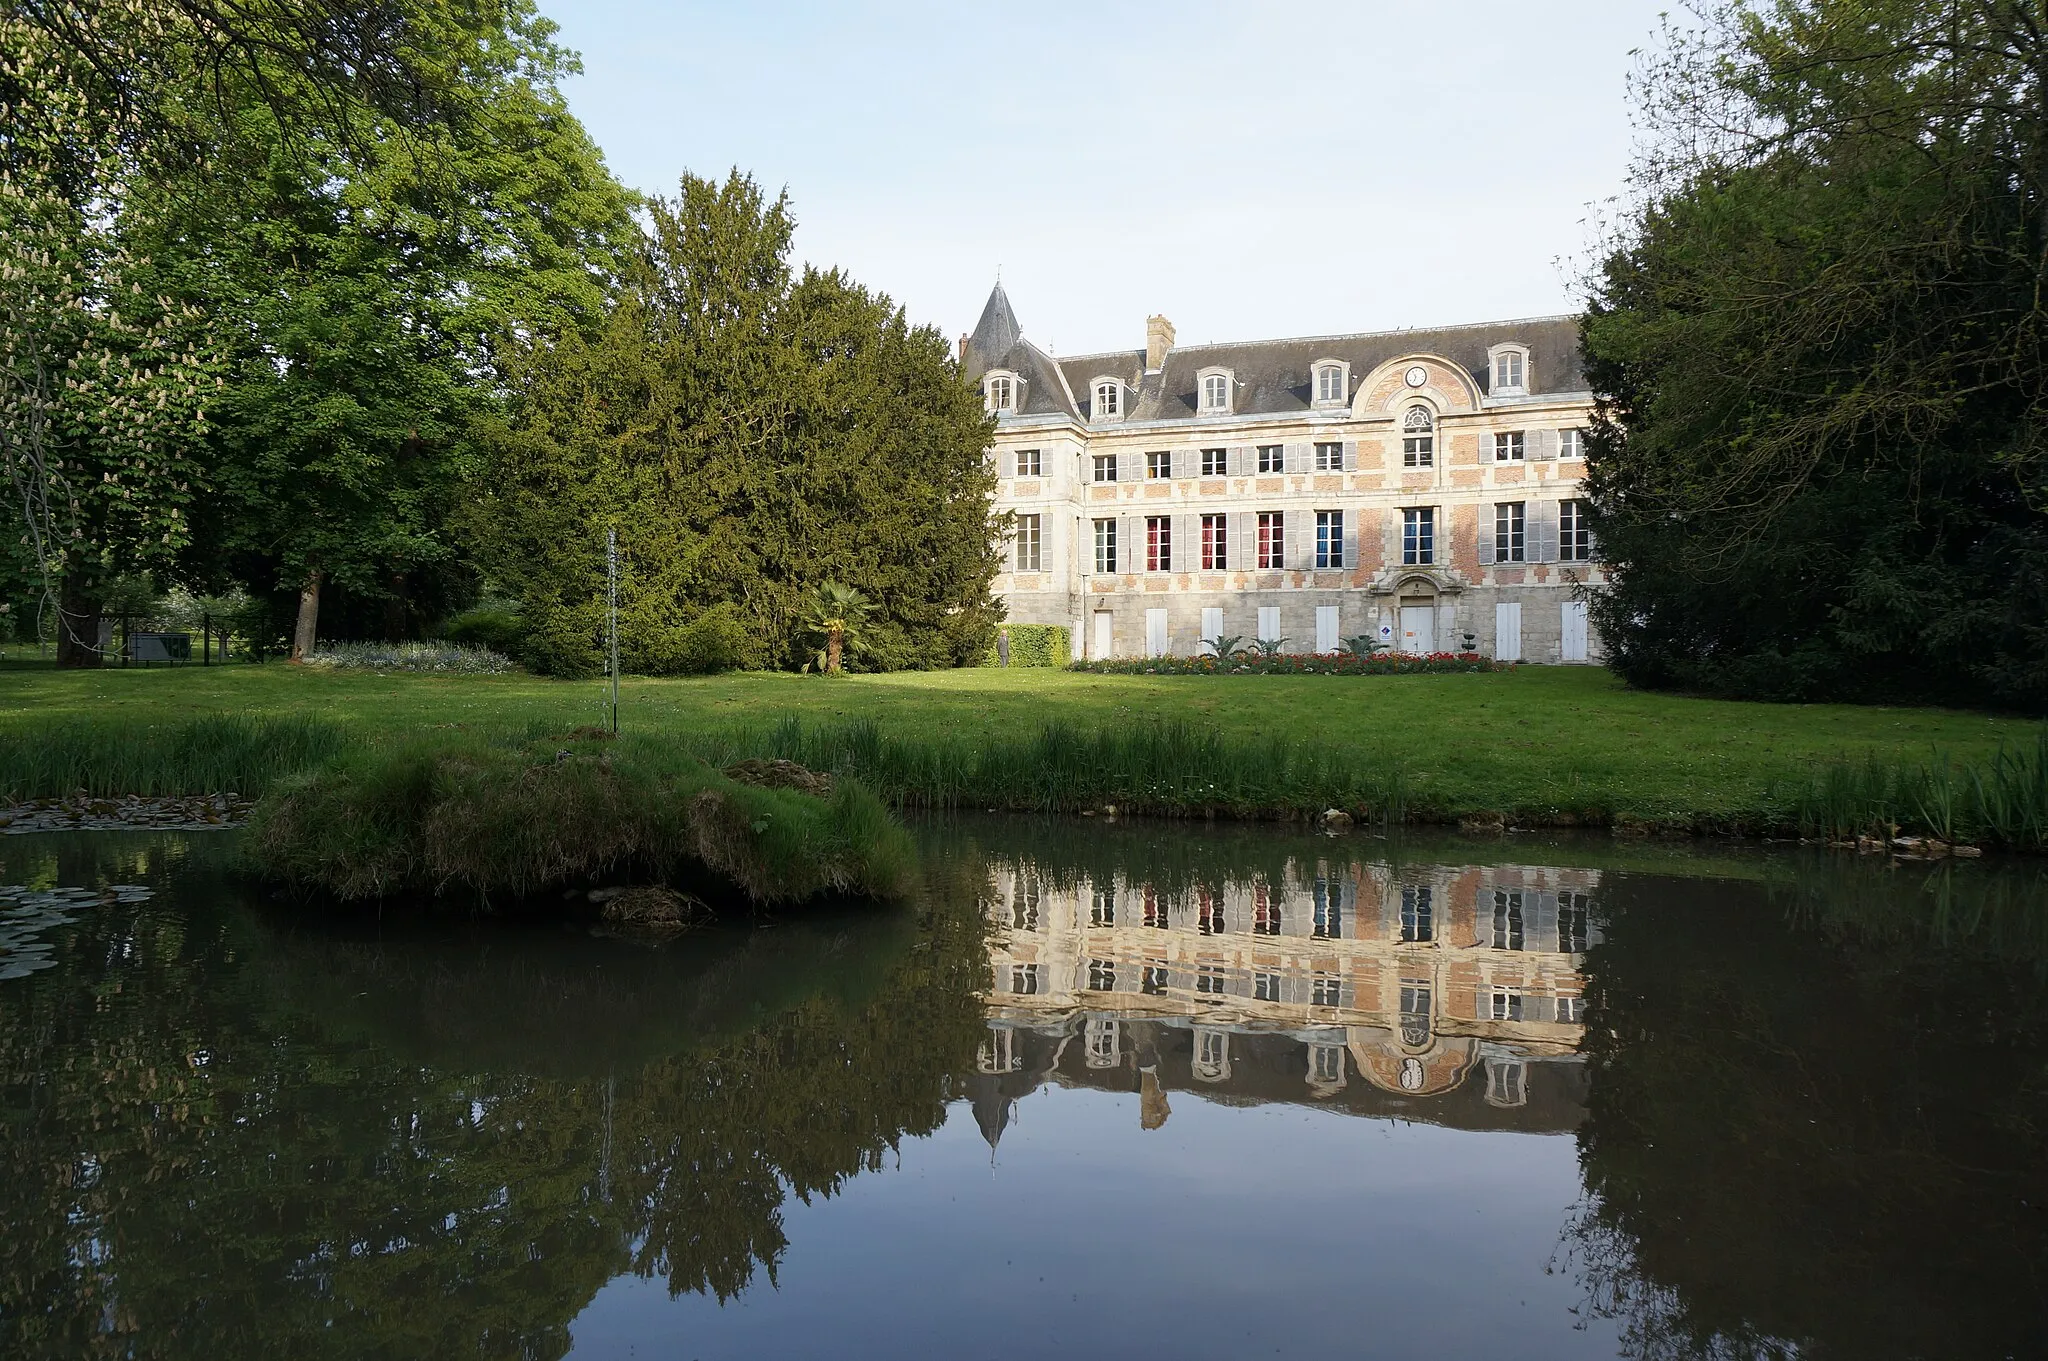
<point>1274,377</point>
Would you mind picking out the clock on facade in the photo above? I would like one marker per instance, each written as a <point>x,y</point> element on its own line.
<point>1417,376</point>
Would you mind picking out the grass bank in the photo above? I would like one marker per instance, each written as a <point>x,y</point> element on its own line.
<point>1553,745</point>
<point>478,818</point>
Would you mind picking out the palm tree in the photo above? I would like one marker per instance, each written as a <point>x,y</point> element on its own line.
<point>838,612</point>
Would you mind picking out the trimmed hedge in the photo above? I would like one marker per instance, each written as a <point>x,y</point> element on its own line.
<point>1032,645</point>
<point>1297,664</point>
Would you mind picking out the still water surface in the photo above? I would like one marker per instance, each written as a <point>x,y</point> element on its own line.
<point>1156,1091</point>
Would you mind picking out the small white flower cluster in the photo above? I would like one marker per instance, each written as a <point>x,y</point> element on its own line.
<point>448,658</point>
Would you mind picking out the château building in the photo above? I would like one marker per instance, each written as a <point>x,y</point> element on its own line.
<point>1413,487</point>
<point>1444,993</point>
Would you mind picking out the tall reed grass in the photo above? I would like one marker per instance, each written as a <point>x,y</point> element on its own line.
<point>2001,802</point>
<point>211,755</point>
<point>1169,768</point>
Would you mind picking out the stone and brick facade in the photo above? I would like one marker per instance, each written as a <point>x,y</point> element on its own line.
<point>1417,487</point>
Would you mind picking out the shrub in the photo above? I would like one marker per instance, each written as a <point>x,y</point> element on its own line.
<point>1032,645</point>
<point>499,628</point>
<point>453,658</point>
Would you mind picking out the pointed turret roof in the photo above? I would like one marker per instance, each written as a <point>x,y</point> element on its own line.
<point>994,335</point>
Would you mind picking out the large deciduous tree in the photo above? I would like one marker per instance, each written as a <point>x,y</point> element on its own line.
<point>364,278</point>
<point>103,378</point>
<point>1820,345</point>
<point>750,433</point>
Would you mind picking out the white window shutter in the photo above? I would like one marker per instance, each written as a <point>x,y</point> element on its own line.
<point>1243,539</point>
<point>1300,543</point>
<point>1542,444</point>
<point>1350,539</point>
<point>1239,460</point>
<point>1542,531</point>
<point>1130,544</point>
<point>1128,468</point>
<point>1351,456</point>
<point>1487,516</point>
<point>1187,543</point>
<point>1295,459</point>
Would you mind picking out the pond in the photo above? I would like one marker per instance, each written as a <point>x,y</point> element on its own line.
<point>1105,1088</point>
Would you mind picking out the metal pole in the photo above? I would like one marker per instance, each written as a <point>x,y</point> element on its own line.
<point>205,639</point>
<point>611,585</point>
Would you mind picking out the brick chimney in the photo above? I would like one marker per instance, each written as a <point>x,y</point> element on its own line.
<point>964,338</point>
<point>1158,340</point>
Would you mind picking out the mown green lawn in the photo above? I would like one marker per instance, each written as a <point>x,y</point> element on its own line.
<point>1568,737</point>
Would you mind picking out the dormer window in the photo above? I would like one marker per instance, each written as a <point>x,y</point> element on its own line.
<point>1001,393</point>
<point>1109,399</point>
<point>1331,383</point>
<point>1214,387</point>
<point>1510,369</point>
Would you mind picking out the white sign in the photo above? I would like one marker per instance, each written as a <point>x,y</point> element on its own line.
<point>1386,631</point>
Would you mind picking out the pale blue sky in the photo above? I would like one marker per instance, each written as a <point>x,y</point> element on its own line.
<point>1251,170</point>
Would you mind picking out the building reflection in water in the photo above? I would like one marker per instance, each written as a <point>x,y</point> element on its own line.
<point>1440,993</point>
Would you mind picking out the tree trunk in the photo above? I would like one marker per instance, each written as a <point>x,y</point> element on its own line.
<point>833,640</point>
<point>308,629</point>
<point>78,625</point>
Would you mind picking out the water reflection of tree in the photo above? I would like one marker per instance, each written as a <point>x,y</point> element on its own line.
<point>1818,1119</point>
<point>195,1163</point>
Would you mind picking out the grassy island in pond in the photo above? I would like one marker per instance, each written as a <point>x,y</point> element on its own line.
<point>1552,745</point>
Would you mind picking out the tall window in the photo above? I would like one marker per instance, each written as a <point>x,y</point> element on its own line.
<point>1027,543</point>
<point>1156,915</point>
<point>1507,919</point>
<point>1159,543</point>
<point>1109,399</point>
<point>1209,916</point>
<point>1105,467</point>
<point>1418,536</point>
<point>999,394</point>
<point>1415,1006</point>
<point>1102,909</point>
<point>1418,913</point>
<point>1030,463</point>
<point>1326,907</point>
<point>1571,443</point>
<point>1215,543</point>
<point>1024,904</point>
<point>1325,990</point>
<point>1574,918</point>
<point>1507,1004</point>
<point>1216,393</point>
<point>1211,979</point>
<point>1510,531</point>
<point>1215,462</point>
<point>1159,463</point>
<point>1329,383</point>
<point>1330,457</point>
<point>1105,545</point>
<point>1272,539</point>
<point>1418,438</point>
<point>1329,538</point>
<point>1326,1061</point>
<point>1024,979</point>
<point>1265,912</point>
<point>1574,536</point>
<point>1507,369</point>
<point>1155,977</point>
<point>1508,446</point>
<point>1272,458</point>
<point>1101,975</point>
<point>1265,987</point>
